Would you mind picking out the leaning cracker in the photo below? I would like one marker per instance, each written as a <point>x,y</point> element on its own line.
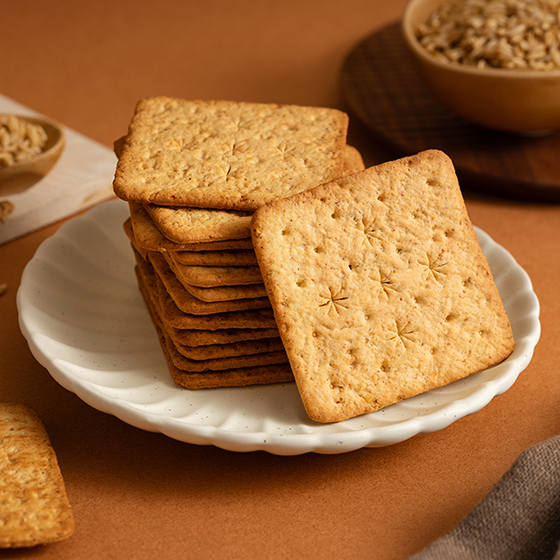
<point>379,287</point>
<point>34,507</point>
<point>224,154</point>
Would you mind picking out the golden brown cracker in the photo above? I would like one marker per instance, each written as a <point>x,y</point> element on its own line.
<point>233,377</point>
<point>195,225</point>
<point>148,236</point>
<point>34,507</point>
<point>197,336</point>
<point>234,345</point>
<point>214,276</point>
<point>224,154</point>
<point>239,348</point>
<point>379,287</point>
<point>240,257</point>
<point>188,303</point>
<point>261,320</point>
<point>199,225</point>
<point>236,377</point>
<point>218,293</point>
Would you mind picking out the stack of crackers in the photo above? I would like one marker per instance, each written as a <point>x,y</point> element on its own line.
<point>193,173</point>
<point>266,253</point>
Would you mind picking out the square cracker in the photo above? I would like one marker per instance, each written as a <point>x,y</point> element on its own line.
<point>379,287</point>
<point>201,225</point>
<point>148,237</point>
<point>225,154</point>
<point>34,508</point>
<point>217,293</point>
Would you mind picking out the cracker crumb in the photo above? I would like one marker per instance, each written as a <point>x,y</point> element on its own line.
<point>6,208</point>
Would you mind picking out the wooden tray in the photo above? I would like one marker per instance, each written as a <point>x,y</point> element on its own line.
<point>383,89</point>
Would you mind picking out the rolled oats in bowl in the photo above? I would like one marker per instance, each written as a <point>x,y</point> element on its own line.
<point>507,34</point>
<point>20,140</point>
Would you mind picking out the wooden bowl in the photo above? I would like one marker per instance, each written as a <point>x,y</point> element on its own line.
<point>43,162</point>
<point>523,101</point>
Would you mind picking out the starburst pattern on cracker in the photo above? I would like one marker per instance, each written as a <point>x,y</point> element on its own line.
<point>379,287</point>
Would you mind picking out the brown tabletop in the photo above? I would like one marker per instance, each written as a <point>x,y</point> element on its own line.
<point>137,494</point>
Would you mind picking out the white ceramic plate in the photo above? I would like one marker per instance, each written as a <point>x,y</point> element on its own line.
<point>83,317</point>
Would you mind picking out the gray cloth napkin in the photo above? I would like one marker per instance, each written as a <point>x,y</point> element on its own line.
<point>519,519</point>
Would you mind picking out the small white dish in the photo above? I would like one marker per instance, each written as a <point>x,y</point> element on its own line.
<point>83,317</point>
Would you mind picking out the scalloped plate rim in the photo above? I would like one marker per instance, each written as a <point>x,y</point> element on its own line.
<point>314,441</point>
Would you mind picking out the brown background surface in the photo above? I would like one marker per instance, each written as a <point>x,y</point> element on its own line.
<point>142,495</point>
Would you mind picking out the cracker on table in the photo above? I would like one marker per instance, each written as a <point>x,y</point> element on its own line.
<point>34,507</point>
<point>379,287</point>
<point>195,225</point>
<point>188,303</point>
<point>225,154</point>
